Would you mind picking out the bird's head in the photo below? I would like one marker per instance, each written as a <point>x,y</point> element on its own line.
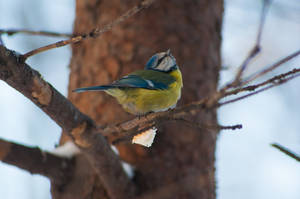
<point>164,62</point>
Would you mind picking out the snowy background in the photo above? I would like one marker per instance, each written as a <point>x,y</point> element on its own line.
<point>247,167</point>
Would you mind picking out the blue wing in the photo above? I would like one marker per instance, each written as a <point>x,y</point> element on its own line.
<point>134,81</point>
<point>148,79</point>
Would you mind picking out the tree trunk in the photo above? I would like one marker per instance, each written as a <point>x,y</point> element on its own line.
<point>180,164</point>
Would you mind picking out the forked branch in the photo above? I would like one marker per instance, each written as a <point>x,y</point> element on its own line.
<point>36,161</point>
<point>94,33</point>
<point>78,126</point>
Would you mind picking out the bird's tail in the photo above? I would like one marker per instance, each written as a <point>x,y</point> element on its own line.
<point>93,88</point>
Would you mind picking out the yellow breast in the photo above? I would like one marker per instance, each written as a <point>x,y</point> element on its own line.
<point>140,101</point>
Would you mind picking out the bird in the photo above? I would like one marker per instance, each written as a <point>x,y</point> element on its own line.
<point>156,88</point>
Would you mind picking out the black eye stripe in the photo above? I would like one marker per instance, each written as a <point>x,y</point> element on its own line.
<point>161,59</point>
<point>174,67</point>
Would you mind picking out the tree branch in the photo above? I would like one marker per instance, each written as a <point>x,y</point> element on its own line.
<point>270,68</point>
<point>36,161</point>
<point>207,126</point>
<point>83,130</point>
<point>256,48</point>
<point>121,132</point>
<point>117,132</point>
<point>94,33</point>
<point>78,126</point>
<point>11,32</point>
<point>277,78</point>
<point>280,81</point>
<point>286,151</point>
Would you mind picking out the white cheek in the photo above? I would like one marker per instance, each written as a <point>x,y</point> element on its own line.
<point>163,66</point>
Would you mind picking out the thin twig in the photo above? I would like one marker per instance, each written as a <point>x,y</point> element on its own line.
<point>286,151</point>
<point>265,8</point>
<point>209,126</point>
<point>281,81</point>
<point>51,46</point>
<point>272,67</point>
<point>269,81</point>
<point>232,127</point>
<point>215,97</point>
<point>94,33</point>
<point>256,48</point>
<point>125,136</point>
<point>11,32</point>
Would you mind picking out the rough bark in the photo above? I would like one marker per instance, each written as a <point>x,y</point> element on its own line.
<point>77,125</point>
<point>36,161</point>
<point>191,29</point>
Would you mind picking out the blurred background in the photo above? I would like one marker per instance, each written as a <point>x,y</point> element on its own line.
<point>246,165</point>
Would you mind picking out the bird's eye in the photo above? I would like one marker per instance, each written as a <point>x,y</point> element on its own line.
<point>152,62</point>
